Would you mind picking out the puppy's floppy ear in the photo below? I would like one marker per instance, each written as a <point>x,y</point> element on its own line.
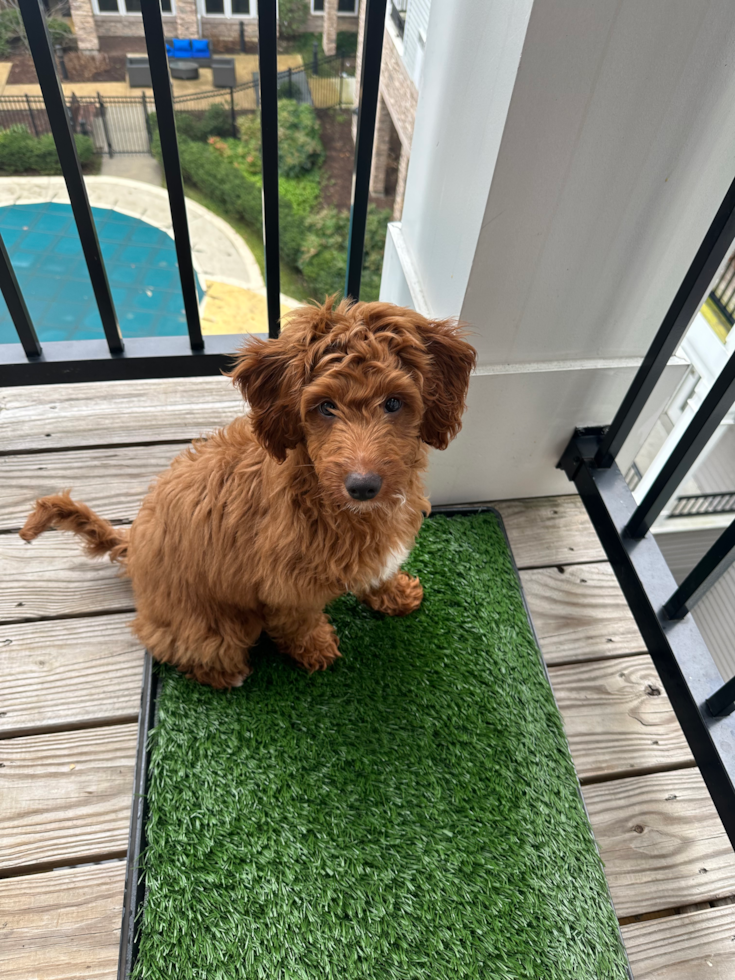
<point>269,373</point>
<point>445,387</point>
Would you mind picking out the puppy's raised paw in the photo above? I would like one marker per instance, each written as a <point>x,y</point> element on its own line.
<point>400,596</point>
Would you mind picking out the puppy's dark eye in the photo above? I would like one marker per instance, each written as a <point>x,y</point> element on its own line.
<point>393,404</point>
<point>327,409</point>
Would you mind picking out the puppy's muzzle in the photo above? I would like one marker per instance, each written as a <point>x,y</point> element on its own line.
<point>363,486</point>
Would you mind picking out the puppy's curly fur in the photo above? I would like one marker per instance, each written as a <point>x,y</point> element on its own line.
<point>253,529</point>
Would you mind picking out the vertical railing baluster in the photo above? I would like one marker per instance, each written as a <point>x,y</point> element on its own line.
<point>372,52</point>
<point>158,61</point>
<point>695,437</point>
<point>17,306</point>
<point>268,75</point>
<point>34,19</point>
<point>703,576</point>
<point>686,303</point>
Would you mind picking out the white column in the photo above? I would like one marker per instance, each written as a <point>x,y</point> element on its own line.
<point>567,159</point>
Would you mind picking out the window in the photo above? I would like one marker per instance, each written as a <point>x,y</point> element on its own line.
<point>127,6</point>
<point>348,7</point>
<point>228,8</point>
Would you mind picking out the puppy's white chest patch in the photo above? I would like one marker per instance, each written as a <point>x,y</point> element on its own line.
<point>396,557</point>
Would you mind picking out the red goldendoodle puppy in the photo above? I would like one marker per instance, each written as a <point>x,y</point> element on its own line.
<point>316,492</point>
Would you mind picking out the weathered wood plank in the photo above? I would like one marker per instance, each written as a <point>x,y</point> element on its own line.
<point>66,416</point>
<point>683,947</point>
<point>68,674</point>
<point>549,531</point>
<point>52,577</point>
<point>580,613</point>
<point>62,925</point>
<point>66,797</point>
<point>112,481</point>
<point>618,718</point>
<point>661,840</point>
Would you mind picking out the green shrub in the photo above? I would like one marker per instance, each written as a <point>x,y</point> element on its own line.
<point>216,121</point>
<point>312,240</point>
<point>299,139</point>
<point>292,15</point>
<point>61,33</point>
<point>21,152</point>
<point>11,28</point>
<point>323,257</point>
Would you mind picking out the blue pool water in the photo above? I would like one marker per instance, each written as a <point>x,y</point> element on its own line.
<point>47,256</point>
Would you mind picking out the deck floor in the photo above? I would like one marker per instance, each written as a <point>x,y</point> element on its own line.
<point>70,687</point>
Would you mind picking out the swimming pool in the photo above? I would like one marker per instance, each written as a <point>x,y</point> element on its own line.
<point>46,253</point>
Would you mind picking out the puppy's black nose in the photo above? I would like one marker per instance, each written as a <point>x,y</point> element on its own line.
<point>363,486</point>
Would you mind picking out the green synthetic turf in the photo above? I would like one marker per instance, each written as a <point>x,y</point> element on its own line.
<point>412,812</point>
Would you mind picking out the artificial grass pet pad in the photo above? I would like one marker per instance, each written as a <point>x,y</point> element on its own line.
<point>410,813</point>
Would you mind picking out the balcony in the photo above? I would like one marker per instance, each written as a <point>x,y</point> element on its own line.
<point>497,234</point>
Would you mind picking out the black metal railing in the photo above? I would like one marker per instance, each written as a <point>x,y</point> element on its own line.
<point>702,702</point>
<point>722,296</point>
<point>117,357</point>
<point>696,504</point>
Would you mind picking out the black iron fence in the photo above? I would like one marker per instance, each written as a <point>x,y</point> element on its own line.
<point>119,124</point>
<point>27,362</point>
<point>704,704</point>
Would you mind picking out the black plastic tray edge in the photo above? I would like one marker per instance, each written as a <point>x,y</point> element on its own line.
<point>134,875</point>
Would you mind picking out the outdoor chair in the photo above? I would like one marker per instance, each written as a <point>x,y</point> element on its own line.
<point>223,72</point>
<point>196,49</point>
<point>139,72</point>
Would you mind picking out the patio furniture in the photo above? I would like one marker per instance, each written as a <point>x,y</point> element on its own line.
<point>139,72</point>
<point>223,72</point>
<point>183,70</point>
<point>195,49</point>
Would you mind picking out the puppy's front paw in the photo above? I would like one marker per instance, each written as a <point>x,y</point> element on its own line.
<point>318,650</point>
<point>400,596</point>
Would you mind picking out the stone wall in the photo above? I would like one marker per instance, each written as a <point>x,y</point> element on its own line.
<point>329,35</point>
<point>315,23</point>
<point>187,22</point>
<point>127,25</point>
<point>228,28</point>
<point>84,26</point>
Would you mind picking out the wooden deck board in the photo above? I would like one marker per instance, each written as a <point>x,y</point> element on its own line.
<point>112,481</point>
<point>47,417</point>
<point>62,925</point>
<point>618,718</point>
<point>52,577</point>
<point>661,840</point>
<point>580,613</point>
<point>695,946</point>
<point>654,847</point>
<point>55,675</point>
<point>549,531</point>
<point>66,796</point>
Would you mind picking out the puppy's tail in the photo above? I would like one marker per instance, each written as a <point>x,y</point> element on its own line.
<point>61,512</point>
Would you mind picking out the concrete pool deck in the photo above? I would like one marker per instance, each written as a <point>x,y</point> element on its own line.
<point>225,265</point>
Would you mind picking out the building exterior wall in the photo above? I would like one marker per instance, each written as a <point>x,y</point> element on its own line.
<point>187,21</point>
<point>228,28</point>
<point>315,23</point>
<point>414,34</point>
<point>84,25</point>
<point>396,87</point>
<point>126,25</point>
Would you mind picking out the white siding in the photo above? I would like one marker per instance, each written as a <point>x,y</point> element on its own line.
<point>417,25</point>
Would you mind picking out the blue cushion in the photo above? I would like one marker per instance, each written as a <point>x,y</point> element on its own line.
<point>200,48</point>
<point>182,49</point>
<point>169,50</point>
